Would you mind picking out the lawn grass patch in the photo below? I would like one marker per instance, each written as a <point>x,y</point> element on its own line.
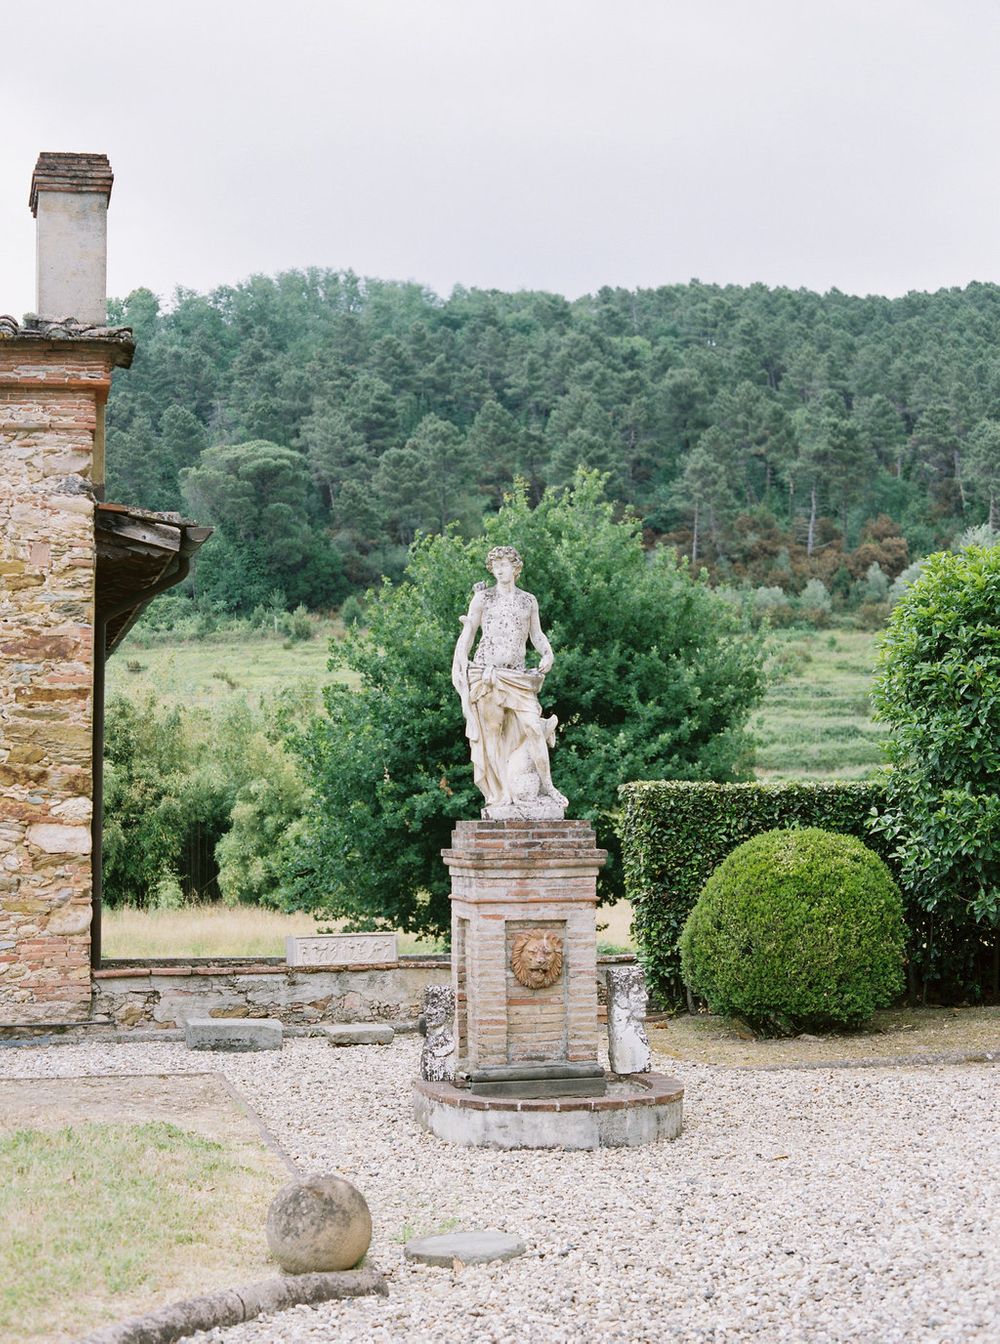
<point>98,1220</point>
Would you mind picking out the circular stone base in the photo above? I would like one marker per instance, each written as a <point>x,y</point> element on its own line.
<point>472,1248</point>
<point>637,1109</point>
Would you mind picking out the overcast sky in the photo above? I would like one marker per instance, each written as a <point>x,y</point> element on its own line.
<point>543,144</point>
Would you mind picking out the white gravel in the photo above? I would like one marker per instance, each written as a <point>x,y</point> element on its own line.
<point>807,1206</point>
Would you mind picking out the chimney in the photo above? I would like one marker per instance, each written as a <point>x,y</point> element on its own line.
<point>69,199</point>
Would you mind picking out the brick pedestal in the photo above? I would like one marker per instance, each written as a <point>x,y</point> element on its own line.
<point>510,878</point>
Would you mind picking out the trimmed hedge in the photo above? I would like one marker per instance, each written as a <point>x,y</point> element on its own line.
<point>797,929</point>
<point>675,833</point>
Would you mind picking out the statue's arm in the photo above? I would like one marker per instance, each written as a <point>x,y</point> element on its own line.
<point>460,660</point>
<point>538,640</point>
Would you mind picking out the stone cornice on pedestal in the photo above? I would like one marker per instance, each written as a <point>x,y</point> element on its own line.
<point>523,849</point>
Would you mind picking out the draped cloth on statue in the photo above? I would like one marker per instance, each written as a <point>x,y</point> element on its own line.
<point>494,691</point>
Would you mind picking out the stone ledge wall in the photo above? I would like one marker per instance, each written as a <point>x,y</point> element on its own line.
<point>166,996</point>
<point>49,394</point>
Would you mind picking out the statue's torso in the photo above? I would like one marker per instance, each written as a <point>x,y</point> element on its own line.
<point>505,621</point>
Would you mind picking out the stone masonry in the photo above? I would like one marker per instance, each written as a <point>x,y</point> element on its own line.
<point>510,879</point>
<point>52,382</point>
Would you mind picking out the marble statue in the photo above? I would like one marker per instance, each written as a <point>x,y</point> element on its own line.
<point>438,1052</point>
<point>508,736</point>
<point>628,1044</point>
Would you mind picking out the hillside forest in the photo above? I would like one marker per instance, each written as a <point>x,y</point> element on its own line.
<point>776,437</point>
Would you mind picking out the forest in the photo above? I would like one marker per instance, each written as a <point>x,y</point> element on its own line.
<point>321,421</point>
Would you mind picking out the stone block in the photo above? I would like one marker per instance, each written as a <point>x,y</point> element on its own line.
<point>359,1033</point>
<point>470,1248</point>
<point>248,1033</point>
<point>342,949</point>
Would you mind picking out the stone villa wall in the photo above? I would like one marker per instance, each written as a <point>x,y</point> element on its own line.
<point>49,392</point>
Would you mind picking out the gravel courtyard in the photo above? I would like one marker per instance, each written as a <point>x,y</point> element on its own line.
<point>813,1206</point>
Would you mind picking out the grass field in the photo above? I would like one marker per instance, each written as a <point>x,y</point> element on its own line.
<point>215,669</point>
<point>219,931</point>
<point>816,721</point>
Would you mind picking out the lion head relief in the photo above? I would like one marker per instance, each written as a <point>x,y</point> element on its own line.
<point>537,958</point>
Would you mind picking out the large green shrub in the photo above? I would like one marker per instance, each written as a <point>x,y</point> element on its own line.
<point>938,689</point>
<point>653,677</point>
<point>675,833</point>
<point>796,929</point>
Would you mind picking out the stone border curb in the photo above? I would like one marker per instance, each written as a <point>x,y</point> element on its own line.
<point>887,1062</point>
<point>232,1306</point>
<point>128,1035</point>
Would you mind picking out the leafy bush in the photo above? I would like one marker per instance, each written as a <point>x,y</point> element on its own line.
<point>815,596</point>
<point>352,612</point>
<point>675,833</point>
<point>653,676</point>
<point>796,929</point>
<point>296,625</point>
<point>199,802</point>
<point>771,606</point>
<point>938,689</point>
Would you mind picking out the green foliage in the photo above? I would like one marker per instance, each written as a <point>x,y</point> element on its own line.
<point>352,613</point>
<point>257,495</point>
<point>652,678</point>
<point>198,802</point>
<point>674,834</point>
<point>938,689</point>
<point>265,820</point>
<point>707,406</point>
<point>796,929</point>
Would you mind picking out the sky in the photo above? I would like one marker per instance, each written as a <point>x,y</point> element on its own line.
<point>536,144</point>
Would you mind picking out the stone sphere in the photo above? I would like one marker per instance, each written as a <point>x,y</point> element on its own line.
<point>318,1223</point>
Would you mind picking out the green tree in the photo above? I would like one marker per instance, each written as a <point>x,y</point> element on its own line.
<point>652,680</point>
<point>259,496</point>
<point>703,488</point>
<point>938,689</point>
<point>495,442</point>
<point>336,451</point>
<point>982,460</point>
<point>183,439</point>
<point>426,484</point>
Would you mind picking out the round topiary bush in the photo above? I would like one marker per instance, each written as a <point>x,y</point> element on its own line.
<point>796,929</point>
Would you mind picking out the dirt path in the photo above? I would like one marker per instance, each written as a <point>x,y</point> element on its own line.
<point>892,1034</point>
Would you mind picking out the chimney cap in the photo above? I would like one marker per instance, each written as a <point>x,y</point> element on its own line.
<point>70,172</point>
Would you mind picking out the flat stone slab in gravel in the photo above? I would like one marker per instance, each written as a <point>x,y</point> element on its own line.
<point>359,1033</point>
<point>233,1033</point>
<point>472,1248</point>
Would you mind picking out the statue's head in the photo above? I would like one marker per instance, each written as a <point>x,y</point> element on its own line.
<point>508,553</point>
